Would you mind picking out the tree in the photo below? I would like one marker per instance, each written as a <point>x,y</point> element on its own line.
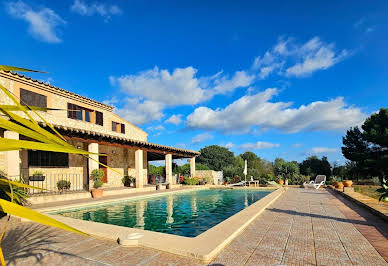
<point>216,157</point>
<point>285,169</point>
<point>279,167</point>
<point>375,131</point>
<point>368,149</point>
<point>356,149</point>
<point>339,171</point>
<point>313,166</point>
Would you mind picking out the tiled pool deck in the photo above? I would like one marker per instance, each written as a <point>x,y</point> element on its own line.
<point>303,227</point>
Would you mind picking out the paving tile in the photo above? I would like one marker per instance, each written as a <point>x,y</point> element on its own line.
<point>303,227</point>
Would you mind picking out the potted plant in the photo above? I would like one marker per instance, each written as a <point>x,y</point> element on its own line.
<point>128,181</point>
<point>383,190</point>
<point>37,176</point>
<point>339,185</point>
<point>97,175</point>
<point>347,183</point>
<point>63,185</point>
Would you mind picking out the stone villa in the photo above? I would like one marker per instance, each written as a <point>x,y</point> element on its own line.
<point>86,124</point>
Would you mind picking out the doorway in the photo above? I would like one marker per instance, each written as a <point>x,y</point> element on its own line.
<point>104,160</point>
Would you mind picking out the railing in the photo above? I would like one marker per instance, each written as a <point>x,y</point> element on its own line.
<point>55,183</point>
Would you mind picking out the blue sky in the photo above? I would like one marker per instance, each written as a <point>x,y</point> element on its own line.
<point>279,78</point>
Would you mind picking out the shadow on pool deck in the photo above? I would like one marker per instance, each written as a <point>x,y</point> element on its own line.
<point>30,243</point>
<point>318,216</point>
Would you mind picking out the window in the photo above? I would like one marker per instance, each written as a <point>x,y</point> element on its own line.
<point>87,115</point>
<point>32,98</point>
<point>79,113</point>
<point>118,127</point>
<point>99,118</point>
<point>48,159</point>
<point>114,126</point>
<point>74,111</point>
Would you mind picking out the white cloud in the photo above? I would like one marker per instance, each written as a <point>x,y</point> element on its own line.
<point>320,150</point>
<point>296,145</point>
<point>259,145</point>
<point>156,128</point>
<point>174,119</point>
<point>289,58</point>
<point>201,138</point>
<point>140,112</point>
<point>105,11</point>
<point>181,86</point>
<point>43,22</point>
<point>177,88</point>
<point>257,111</point>
<point>229,145</point>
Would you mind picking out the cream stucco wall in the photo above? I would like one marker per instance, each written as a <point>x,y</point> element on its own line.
<point>55,99</point>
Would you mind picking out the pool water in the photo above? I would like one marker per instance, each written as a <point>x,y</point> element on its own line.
<point>184,213</point>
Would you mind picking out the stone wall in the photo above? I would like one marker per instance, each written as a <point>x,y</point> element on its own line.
<point>201,174</point>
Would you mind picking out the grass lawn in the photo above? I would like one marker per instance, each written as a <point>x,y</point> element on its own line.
<point>369,191</point>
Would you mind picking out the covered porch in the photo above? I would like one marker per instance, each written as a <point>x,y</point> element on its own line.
<point>123,156</point>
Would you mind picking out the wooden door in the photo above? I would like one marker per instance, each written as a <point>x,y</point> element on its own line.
<point>104,160</point>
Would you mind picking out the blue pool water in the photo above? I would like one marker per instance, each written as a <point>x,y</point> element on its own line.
<point>185,213</point>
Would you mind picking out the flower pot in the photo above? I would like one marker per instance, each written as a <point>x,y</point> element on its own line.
<point>158,187</point>
<point>347,183</point>
<point>286,182</point>
<point>339,185</point>
<point>334,183</point>
<point>280,182</point>
<point>97,193</point>
<point>37,178</point>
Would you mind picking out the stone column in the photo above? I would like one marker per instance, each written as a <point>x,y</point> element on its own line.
<point>11,158</point>
<point>192,166</point>
<point>93,164</point>
<point>139,168</point>
<point>168,161</point>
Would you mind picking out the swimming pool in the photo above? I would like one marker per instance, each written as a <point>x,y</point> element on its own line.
<point>185,213</point>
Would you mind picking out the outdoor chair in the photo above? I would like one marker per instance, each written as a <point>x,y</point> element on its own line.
<point>319,181</point>
<point>242,183</point>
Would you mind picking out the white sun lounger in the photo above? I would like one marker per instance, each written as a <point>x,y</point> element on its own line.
<point>319,181</point>
<point>236,184</point>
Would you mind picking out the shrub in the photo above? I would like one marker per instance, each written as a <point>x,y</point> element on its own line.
<point>191,181</point>
<point>97,175</point>
<point>234,179</point>
<point>128,180</point>
<point>37,173</point>
<point>298,179</point>
<point>63,185</point>
<point>207,180</point>
<point>19,194</point>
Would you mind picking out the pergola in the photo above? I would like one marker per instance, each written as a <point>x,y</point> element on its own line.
<point>155,152</point>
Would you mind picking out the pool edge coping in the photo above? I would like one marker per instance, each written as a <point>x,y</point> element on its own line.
<point>203,247</point>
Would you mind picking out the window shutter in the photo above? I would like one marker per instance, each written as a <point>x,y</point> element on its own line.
<point>32,98</point>
<point>123,128</point>
<point>99,118</point>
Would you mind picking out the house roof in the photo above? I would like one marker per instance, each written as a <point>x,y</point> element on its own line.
<point>54,89</point>
<point>93,136</point>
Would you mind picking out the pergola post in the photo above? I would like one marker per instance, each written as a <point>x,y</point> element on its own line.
<point>11,158</point>
<point>139,168</point>
<point>168,161</point>
<point>93,160</point>
<point>192,166</point>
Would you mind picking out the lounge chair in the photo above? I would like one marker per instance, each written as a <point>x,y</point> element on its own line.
<point>236,184</point>
<point>273,183</point>
<point>319,181</point>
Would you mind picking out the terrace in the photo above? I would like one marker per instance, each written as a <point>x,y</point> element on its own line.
<point>300,227</point>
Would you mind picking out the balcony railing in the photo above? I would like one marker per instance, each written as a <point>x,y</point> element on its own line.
<point>55,183</point>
